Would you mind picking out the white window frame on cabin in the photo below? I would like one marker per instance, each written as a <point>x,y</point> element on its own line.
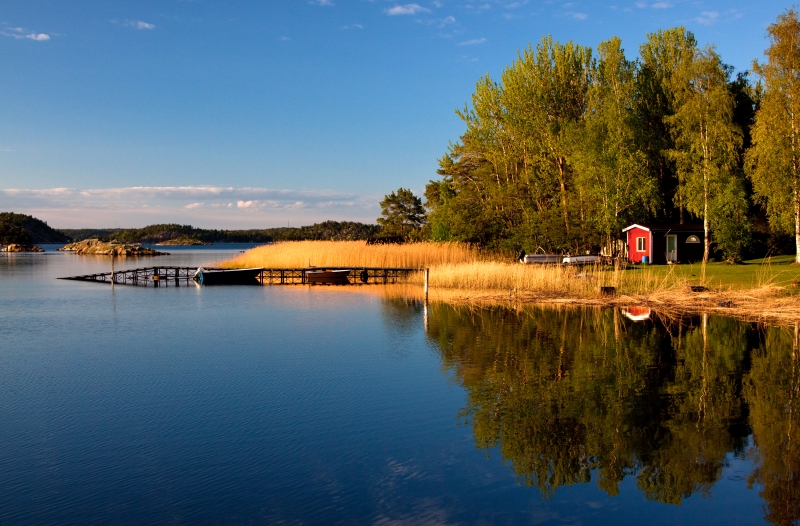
<point>641,244</point>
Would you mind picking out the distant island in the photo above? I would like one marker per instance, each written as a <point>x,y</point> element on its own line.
<point>175,234</point>
<point>25,230</point>
<point>183,241</point>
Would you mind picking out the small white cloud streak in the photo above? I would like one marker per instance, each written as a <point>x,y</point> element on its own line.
<point>408,9</point>
<point>707,18</point>
<point>139,24</point>
<point>661,5</point>
<point>322,2</point>
<point>473,42</point>
<point>19,34</point>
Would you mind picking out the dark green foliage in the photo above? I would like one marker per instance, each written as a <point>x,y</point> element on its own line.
<point>23,229</point>
<point>402,214</point>
<point>13,234</point>
<point>327,230</point>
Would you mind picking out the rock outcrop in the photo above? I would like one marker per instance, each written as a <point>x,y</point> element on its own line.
<point>112,248</point>
<point>21,248</point>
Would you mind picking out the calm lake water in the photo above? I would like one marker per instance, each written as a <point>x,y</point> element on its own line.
<point>297,405</point>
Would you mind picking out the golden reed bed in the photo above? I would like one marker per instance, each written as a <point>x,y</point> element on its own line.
<point>462,274</point>
<point>297,254</point>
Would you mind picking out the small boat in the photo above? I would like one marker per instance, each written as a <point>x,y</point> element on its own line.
<point>541,259</point>
<point>327,277</point>
<point>234,276</point>
<point>581,260</point>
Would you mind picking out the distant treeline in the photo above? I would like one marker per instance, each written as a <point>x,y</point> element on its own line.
<point>22,229</point>
<point>327,230</point>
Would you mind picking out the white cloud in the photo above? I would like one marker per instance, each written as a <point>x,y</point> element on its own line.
<point>641,5</point>
<point>139,24</point>
<point>447,20</point>
<point>356,26</point>
<point>473,42</point>
<point>21,33</point>
<point>661,5</point>
<point>707,18</point>
<point>578,16</point>
<point>147,204</point>
<point>322,2</point>
<point>437,4</point>
<point>408,9</point>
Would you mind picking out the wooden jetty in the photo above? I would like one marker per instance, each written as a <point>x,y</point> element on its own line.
<point>182,276</point>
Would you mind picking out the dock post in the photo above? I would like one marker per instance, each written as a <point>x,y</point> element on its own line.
<point>427,274</point>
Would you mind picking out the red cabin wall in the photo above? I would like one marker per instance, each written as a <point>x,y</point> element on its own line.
<point>635,256</point>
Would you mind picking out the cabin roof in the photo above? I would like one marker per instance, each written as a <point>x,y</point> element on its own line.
<point>666,228</point>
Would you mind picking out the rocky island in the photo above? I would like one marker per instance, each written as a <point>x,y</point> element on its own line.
<point>111,248</point>
<point>13,247</point>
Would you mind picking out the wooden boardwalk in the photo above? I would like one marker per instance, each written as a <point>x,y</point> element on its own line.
<point>182,276</point>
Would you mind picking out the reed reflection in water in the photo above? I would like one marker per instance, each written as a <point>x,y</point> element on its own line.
<point>577,396</point>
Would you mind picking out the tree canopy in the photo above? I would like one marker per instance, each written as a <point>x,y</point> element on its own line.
<point>402,213</point>
<point>571,144</point>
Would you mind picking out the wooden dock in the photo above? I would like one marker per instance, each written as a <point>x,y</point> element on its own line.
<point>182,276</point>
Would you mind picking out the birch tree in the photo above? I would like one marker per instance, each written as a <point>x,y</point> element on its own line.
<point>773,162</point>
<point>610,166</point>
<point>706,138</point>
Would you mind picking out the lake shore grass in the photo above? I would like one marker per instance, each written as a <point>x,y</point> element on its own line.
<point>759,290</point>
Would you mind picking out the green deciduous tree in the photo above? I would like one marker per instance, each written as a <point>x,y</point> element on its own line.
<point>706,138</point>
<point>663,57</point>
<point>402,213</point>
<point>611,168</point>
<point>773,162</point>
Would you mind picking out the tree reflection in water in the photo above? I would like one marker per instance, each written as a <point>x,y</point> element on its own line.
<point>571,395</point>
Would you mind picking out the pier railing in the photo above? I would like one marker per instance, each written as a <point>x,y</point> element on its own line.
<point>177,276</point>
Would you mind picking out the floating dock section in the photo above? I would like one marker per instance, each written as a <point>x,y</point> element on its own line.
<point>183,276</point>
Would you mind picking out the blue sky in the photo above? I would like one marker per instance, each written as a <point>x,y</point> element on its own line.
<point>249,114</point>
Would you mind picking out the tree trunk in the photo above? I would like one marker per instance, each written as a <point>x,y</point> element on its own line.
<point>707,240</point>
<point>563,193</point>
<point>797,225</point>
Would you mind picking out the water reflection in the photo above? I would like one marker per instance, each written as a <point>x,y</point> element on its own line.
<point>575,396</point>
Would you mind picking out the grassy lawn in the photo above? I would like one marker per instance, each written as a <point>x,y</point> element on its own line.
<point>777,270</point>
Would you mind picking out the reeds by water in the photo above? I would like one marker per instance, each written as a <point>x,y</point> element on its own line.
<point>300,254</point>
<point>460,273</point>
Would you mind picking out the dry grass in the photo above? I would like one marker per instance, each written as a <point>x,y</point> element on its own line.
<point>300,254</point>
<point>462,274</point>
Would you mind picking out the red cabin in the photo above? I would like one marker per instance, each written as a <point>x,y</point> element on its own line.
<point>662,244</point>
